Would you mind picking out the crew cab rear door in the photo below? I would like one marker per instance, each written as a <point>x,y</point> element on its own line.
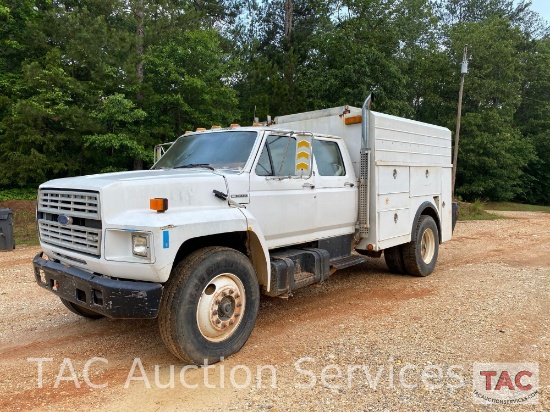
<point>336,191</point>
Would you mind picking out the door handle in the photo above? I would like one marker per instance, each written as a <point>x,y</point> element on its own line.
<point>349,184</point>
<point>308,185</point>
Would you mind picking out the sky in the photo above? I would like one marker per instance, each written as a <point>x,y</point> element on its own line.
<point>542,7</point>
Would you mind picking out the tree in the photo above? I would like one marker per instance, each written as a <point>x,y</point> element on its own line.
<point>187,85</point>
<point>41,138</point>
<point>117,147</point>
<point>76,79</point>
<point>533,116</point>
<point>493,152</point>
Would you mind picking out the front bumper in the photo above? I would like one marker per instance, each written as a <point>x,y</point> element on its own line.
<point>110,297</point>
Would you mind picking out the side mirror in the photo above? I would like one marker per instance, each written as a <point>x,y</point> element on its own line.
<point>304,155</point>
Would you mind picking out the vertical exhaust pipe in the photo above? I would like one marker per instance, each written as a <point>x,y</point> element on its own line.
<point>365,122</point>
<point>364,179</point>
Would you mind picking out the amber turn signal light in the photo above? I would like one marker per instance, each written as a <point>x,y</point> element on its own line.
<point>159,204</point>
<point>353,120</point>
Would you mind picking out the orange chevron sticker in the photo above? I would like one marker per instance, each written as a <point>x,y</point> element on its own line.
<point>303,143</point>
<point>302,166</point>
<point>305,155</point>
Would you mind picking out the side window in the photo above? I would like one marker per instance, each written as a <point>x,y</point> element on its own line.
<point>263,168</point>
<point>329,159</point>
<point>277,157</point>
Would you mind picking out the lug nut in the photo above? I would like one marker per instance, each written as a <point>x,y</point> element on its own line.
<point>239,305</point>
<point>215,312</point>
<point>218,321</point>
<point>231,322</point>
<point>237,296</point>
<point>237,315</point>
<point>231,291</point>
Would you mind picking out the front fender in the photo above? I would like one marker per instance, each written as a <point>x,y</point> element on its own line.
<point>174,227</point>
<point>258,249</point>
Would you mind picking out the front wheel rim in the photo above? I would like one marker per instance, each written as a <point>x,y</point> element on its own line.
<point>428,246</point>
<point>221,307</point>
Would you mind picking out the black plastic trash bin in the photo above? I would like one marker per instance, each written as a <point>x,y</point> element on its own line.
<point>7,241</point>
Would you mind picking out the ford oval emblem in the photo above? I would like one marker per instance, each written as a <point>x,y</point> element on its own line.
<point>64,220</point>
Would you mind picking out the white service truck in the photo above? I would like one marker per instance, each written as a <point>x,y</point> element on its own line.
<point>227,214</point>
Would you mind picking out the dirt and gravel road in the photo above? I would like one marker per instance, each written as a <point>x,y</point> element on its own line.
<point>363,340</point>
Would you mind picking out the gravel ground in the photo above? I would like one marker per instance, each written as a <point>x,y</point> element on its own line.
<point>371,332</point>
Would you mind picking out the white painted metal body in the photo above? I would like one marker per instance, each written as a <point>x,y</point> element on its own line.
<point>411,166</point>
<point>193,212</point>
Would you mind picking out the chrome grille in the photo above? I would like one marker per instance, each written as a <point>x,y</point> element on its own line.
<point>78,238</point>
<point>69,202</point>
<point>70,219</point>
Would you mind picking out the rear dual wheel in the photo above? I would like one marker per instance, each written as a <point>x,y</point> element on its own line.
<point>418,257</point>
<point>394,259</point>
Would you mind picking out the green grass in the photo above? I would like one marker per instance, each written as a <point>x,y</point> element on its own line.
<point>22,202</point>
<point>485,216</point>
<point>24,228</point>
<point>476,211</point>
<point>18,194</point>
<point>516,207</point>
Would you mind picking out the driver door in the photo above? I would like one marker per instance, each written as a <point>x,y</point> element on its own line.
<point>283,203</point>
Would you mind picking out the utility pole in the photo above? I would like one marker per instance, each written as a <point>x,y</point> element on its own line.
<point>463,72</point>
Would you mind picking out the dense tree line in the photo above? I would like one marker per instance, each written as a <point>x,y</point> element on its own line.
<point>91,85</point>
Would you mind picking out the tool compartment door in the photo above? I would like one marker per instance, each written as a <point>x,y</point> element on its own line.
<point>393,202</point>
<point>425,180</point>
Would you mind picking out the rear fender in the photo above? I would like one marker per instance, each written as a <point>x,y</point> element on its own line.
<point>430,209</point>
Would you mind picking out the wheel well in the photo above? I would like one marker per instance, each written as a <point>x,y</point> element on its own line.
<point>430,211</point>
<point>234,240</point>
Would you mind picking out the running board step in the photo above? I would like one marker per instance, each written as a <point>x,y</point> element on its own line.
<point>347,261</point>
<point>295,268</point>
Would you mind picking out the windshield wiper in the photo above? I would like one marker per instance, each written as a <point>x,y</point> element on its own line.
<point>193,165</point>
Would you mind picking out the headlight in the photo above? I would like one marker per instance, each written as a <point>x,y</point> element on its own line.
<point>140,245</point>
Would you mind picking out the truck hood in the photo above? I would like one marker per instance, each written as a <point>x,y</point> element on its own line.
<point>124,191</point>
<point>103,180</point>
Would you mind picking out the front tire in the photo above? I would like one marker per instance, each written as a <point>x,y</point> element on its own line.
<point>420,255</point>
<point>209,305</point>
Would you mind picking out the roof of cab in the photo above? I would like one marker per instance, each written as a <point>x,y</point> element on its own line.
<point>261,128</point>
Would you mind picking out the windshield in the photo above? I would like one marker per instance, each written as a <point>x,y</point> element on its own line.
<point>220,150</point>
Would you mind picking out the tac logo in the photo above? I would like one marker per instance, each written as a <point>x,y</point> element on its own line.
<point>506,383</point>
